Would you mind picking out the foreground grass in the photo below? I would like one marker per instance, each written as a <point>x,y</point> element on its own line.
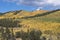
<point>39,24</point>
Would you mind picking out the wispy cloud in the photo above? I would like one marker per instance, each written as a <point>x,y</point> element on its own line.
<point>54,2</point>
<point>39,3</point>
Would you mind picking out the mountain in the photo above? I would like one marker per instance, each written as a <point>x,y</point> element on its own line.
<point>48,22</point>
<point>20,13</point>
<point>38,19</point>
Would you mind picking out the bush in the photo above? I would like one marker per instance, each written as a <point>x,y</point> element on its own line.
<point>35,34</point>
<point>9,23</point>
<point>22,35</point>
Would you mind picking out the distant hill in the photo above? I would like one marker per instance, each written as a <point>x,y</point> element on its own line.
<point>47,16</point>
<point>21,13</point>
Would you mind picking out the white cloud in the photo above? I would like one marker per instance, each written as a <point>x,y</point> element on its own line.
<point>39,8</point>
<point>53,2</point>
<point>36,2</point>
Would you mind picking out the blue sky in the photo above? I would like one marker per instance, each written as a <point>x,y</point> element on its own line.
<point>28,5</point>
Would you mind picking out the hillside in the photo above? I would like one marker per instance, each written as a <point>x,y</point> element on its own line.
<point>20,13</point>
<point>47,16</point>
<point>48,21</point>
<point>53,16</point>
<point>39,20</point>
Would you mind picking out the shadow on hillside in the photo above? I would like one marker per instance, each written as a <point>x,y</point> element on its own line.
<point>43,14</point>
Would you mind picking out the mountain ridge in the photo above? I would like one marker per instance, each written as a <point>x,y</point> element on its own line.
<point>26,14</point>
<point>22,13</point>
<point>43,14</point>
